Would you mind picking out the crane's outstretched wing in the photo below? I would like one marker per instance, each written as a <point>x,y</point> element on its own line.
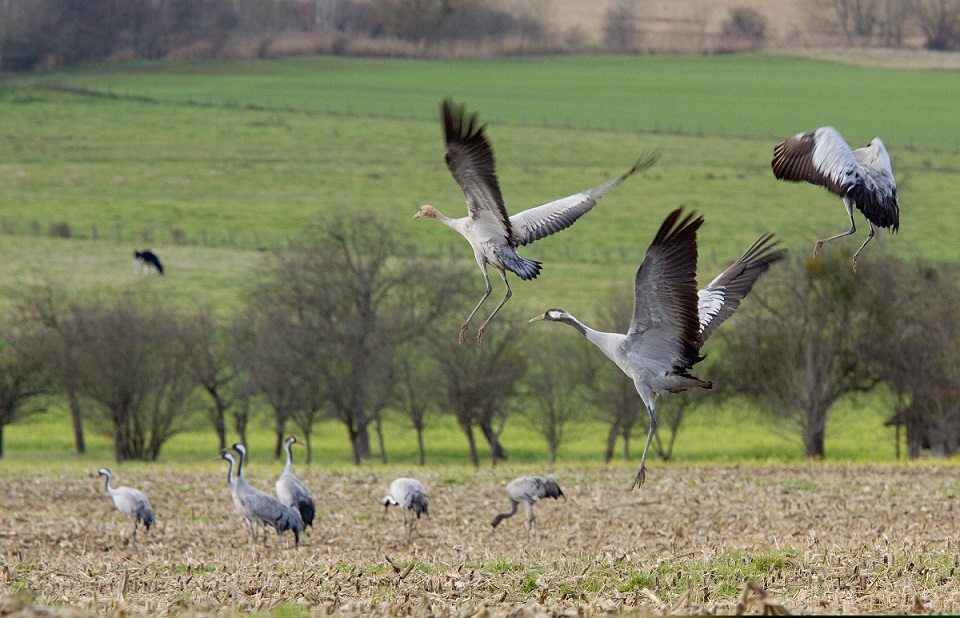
<point>470,159</point>
<point>665,289</point>
<point>541,221</point>
<point>720,299</point>
<point>824,158</point>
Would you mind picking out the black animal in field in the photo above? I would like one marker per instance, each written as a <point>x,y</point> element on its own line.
<point>146,259</point>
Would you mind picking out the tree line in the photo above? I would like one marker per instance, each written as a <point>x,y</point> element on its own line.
<point>344,325</point>
<point>46,33</point>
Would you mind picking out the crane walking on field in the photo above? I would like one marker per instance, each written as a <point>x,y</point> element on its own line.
<point>493,234</point>
<point>862,177</point>
<point>131,502</point>
<point>291,490</point>
<point>263,508</point>
<point>671,319</point>
<point>409,495</point>
<point>529,490</point>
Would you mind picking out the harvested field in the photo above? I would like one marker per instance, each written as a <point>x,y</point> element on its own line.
<point>817,538</point>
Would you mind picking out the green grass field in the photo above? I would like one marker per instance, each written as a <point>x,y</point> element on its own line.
<point>210,162</point>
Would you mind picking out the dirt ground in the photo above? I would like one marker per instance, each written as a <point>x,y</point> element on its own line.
<point>817,539</point>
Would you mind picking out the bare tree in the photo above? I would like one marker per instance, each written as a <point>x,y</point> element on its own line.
<point>940,22</point>
<point>24,376</point>
<point>478,383</point>
<point>553,384</point>
<point>915,348</point>
<point>47,307</point>
<point>798,347</point>
<point>418,394</point>
<point>855,19</point>
<point>344,303</point>
<point>133,367</point>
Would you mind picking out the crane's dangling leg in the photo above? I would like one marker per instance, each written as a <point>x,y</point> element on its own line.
<point>853,228</point>
<point>642,472</point>
<point>857,254</point>
<point>506,297</point>
<point>486,294</point>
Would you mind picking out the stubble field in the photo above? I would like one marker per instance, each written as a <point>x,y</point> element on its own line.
<point>817,538</point>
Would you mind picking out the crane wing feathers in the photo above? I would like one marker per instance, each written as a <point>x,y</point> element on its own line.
<point>864,176</point>
<point>541,221</point>
<point>470,159</point>
<point>722,297</point>
<point>665,289</point>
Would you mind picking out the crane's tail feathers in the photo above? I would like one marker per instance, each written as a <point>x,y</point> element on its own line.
<point>307,512</point>
<point>522,267</point>
<point>419,505</point>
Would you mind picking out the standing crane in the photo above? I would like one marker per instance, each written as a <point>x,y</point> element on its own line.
<point>263,508</point>
<point>529,490</point>
<point>131,502</point>
<point>493,234</point>
<point>238,506</point>
<point>862,177</point>
<point>671,319</point>
<point>408,494</point>
<point>291,490</point>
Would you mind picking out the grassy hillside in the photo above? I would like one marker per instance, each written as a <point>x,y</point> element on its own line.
<point>210,163</point>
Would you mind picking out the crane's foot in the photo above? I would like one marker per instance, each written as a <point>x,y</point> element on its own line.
<point>641,476</point>
<point>480,337</point>
<point>816,249</point>
<point>854,265</point>
<point>463,333</point>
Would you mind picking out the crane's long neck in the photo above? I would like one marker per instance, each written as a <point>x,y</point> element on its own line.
<point>288,467</point>
<point>107,484</point>
<point>230,481</point>
<point>501,516</point>
<point>242,458</point>
<point>607,342</point>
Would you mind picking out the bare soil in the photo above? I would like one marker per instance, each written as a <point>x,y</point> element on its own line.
<point>815,539</point>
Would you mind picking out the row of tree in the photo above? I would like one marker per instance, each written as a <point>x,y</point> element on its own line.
<point>53,32</point>
<point>342,327</point>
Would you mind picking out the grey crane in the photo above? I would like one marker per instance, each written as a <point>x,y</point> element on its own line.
<point>238,506</point>
<point>291,490</point>
<point>131,502</point>
<point>671,319</point>
<point>862,177</point>
<point>263,508</point>
<point>410,495</point>
<point>493,234</point>
<point>529,490</point>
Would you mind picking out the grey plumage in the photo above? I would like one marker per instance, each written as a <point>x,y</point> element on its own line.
<point>292,491</point>
<point>238,506</point>
<point>528,490</point>
<point>410,495</point>
<point>263,508</point>
<point>671,319</point>
<point>862,177</point>
<point>493,234</point>
<point>131,502</point>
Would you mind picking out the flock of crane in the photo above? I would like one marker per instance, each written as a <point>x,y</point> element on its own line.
<point>672,319</point>
<point>293,508</point>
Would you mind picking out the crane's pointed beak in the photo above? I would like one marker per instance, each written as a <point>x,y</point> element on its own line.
<point>539,318</point>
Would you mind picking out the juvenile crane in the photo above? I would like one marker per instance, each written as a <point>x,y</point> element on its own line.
<point>493,234</point>
<point>291,490</point>
<point>131,502</point>
<point>671,319</point>
<point>263,508</point>
<point>408,494</point>
<point>529,490</point>
<point>862,177</point>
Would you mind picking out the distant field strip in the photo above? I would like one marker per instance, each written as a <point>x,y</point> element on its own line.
<point>736,95</point>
